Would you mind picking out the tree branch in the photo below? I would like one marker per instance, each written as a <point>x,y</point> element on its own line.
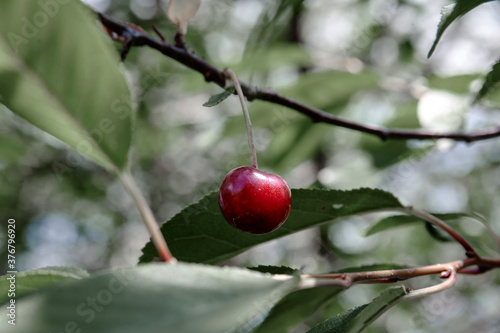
<point>446,271</point>
<point>469,250</point>
<point>131,36</point>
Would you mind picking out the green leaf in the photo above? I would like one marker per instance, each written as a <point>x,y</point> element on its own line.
<point>357,319</point>
<point>490,83</point>
<point>450,13</point>
<point>294,308</point>
<point>216,99</point>
<point>60,73</point>
<point>199,232</point>
<point>29,281</point>
<point>181,298</point>
<point>404,220</point>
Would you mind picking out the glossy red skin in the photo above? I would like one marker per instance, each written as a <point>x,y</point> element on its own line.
<point>254,201</point>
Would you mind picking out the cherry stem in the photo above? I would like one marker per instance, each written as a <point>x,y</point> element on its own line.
<point>147,216</point>
<point>248,123</point>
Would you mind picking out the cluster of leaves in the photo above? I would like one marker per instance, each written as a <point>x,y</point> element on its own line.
<point>95,117</point>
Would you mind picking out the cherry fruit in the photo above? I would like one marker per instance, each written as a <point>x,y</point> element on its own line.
<point>254,201</point>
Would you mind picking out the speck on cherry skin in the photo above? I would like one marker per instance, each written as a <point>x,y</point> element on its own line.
<point>254,201</point>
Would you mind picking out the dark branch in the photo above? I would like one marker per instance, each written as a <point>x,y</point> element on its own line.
<point>134,37</point>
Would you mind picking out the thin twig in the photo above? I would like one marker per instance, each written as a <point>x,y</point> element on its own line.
<point>158,32</point>
<point>147,216</point>
<point>469,250</point>
<point>213,74</point>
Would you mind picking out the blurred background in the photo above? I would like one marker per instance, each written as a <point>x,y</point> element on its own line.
<point>362,60</point>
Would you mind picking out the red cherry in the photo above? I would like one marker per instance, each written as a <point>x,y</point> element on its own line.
<point>254,201</point>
